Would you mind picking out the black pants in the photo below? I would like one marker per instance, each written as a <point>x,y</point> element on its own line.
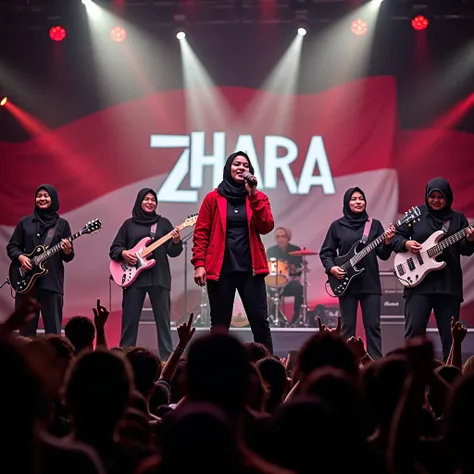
<point>132,305</point>
<point>417,314</point>
<point>51,312</point>
<point>370,305</point>
<point>253,292</point>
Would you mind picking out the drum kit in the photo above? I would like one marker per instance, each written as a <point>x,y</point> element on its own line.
<point>278,279</point>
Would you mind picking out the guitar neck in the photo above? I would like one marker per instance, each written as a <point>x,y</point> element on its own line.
<point>151,248</point>
<point>55,248</point>
<point>448,241</point>
<point>369,248</point>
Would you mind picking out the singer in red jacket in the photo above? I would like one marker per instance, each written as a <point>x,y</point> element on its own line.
<point>228,254</point>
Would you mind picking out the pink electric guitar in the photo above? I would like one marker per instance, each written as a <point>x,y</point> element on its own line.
<point>125,274</point>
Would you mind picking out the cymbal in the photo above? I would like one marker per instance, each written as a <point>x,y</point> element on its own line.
<point>302,253</point>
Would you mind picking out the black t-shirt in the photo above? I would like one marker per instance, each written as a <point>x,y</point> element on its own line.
<point>237,257</point>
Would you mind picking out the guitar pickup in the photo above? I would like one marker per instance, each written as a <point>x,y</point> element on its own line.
<point>419,258</point>
<point>411,264</point>
<point>400,270</point>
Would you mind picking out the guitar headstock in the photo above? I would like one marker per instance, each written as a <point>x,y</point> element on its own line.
<point>190,221</point>
<point>92,226</point>
<point>411,216</point>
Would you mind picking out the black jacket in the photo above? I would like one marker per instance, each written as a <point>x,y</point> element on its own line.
<point>339,241</point>
<point>27,235</point>
<point>449,279</point>
<point>130,234</point>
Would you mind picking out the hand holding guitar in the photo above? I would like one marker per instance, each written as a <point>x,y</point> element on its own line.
<point>338,272</point>
<point>470,234</point>
<point>129,257</point>
<point>176,235</point>
<point>66,246</point>
<point>413,246</point>
<point>25,262</point>
<point>390,234</point>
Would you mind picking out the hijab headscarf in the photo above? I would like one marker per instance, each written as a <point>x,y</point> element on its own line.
<point>47,218</point>
<point>352,219</point>
<point>233,191</point>
<point>138,214</point>
<point>437,218</point>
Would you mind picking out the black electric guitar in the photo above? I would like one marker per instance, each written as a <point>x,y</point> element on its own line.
<point>349,261</point>
<point>23,280</point>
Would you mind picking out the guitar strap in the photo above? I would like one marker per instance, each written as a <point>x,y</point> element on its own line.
<point>50,235</point>
<point>446,226</point>
<point>153,231</point>
<point>367,228</point>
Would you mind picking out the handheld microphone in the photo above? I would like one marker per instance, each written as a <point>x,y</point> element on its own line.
<point>249,178</point>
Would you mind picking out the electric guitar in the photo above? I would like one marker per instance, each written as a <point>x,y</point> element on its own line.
<point>411,269</point>
<point>349,261</point>
<point>125,274</point>
<point>23,280</point>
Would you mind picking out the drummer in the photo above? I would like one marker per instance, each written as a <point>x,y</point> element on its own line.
<point>281,251</point>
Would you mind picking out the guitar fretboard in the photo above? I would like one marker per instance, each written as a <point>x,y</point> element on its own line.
<point>54,249</point>
<point>448,241</point>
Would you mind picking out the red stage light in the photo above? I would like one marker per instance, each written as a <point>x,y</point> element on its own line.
<point>420,23</point>
<point>57,33</point>
<point>359,27</point>
<point>3,101</point>
<point>118,34</point>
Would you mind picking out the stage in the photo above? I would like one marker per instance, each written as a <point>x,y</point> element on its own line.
<point>289,339</point>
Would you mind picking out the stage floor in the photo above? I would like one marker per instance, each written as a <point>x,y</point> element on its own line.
<point>288,339</point>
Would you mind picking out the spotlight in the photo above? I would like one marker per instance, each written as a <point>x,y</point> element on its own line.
<point>420,23</point>
<point>118,34</point>
<point>86,2</point>
<point>359,27</point>
<point>181,35</point>
<point>302,31</point>
<point>57,33</point>
<point>3,101</point>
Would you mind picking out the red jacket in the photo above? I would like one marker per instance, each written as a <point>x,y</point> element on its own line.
<point>210,233</point>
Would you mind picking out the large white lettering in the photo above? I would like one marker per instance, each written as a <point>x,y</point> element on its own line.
<point>199,159</point>
<point>193,160</point>
<point>316,157</point>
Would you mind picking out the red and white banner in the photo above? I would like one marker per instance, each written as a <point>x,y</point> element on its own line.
<point>346,136</point>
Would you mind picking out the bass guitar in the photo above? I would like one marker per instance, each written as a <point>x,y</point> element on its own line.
<point>411,269</point>
<point>349,261</point>
<point>23,280</point>
<point>125,274</point>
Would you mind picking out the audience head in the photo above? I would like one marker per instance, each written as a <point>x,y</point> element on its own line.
<point>81,332</point>
<point>146,368</point>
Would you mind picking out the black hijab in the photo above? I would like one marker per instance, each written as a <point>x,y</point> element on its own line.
<point>138,214</point>
<point>233,191</point>
<point>351,219</point>
<point>437,218</point>
<point>47,218</point>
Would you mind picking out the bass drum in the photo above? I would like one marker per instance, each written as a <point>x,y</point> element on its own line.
<point>239,317</point>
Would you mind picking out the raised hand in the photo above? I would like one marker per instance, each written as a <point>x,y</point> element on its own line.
<point>185,332</point>
<point>356,344</point>
<point>101,314</point>
<point>22,315</point>
<point>323,327</point>
<point>458,331</point>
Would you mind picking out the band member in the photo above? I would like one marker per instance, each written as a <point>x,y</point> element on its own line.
<point>156,281</point>
<point>281,251</point>
<point>366,288</point>
<point>228,253</point>
<point>43,225</point>
<point>440,291</point>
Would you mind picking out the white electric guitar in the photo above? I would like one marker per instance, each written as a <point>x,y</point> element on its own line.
<point>411,269</point>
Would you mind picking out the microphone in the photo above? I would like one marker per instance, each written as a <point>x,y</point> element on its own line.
<point>249,178</point>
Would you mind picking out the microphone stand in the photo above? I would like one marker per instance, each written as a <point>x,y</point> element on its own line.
<point>185,240</point>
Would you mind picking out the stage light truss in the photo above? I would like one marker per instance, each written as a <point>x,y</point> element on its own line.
<point>34,14</point>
